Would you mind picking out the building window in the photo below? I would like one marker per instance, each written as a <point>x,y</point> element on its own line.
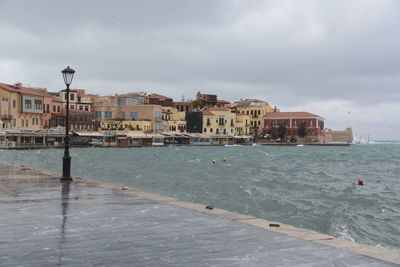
<point>72,97</point>
<point>273,123</point>
<point>72,106</point>
<point>259,112</point>
<point>286,123</point>
<point>80,107</point>
<point>123,115</point>
<point>26,123</point>
<point>14,104</point>
<point>311,124</point>
<point>295,123</point>
<point>211,130</point>
<point>86,108</point>
<point>122,101</point>
<point>33,121</point>
<point>23,123</point>
<point>58,108</point>
<point>38,104</point>
<point>217,131</point>
<point>266,123</point>
<point>133,115</point>
<point>205,130</point>
<point>28,103</point>
<point>54,108</point>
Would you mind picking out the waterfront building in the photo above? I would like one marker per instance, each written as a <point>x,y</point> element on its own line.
<point>77,99</point>
<point>128,107</point>
<point>292,121</point>
<point>20,107</point>
<point>156,99</point>
<point>207,99</point>
<point>183,106</point>
<point>51,106</point>
<point>219,121</point>
<point>243,124</point>
<point>223,104</point>
<point>194,121</point>
<point>330,136</point>
<point>256,109</point>
<point>79,120</point>
<point>173,121</point>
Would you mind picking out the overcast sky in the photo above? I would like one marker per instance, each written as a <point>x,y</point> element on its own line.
<point>337,59</point>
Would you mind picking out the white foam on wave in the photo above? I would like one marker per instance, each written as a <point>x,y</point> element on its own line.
<point>341,231</point>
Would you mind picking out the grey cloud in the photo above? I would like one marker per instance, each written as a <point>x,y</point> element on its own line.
<point>286,52</point>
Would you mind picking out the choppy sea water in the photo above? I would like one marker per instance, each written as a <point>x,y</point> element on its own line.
<point>310,187</point>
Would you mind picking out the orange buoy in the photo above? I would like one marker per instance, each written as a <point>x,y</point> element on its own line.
<point>360,182</point>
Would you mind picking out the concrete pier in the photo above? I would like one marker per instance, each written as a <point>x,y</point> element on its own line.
<point>87,223</point>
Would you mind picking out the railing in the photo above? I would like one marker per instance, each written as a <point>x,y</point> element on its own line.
<point>6,117</point>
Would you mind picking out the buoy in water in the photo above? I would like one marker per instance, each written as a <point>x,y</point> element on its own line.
<point>360,182</point>
<point>214,161</point>
<point>225,159</point>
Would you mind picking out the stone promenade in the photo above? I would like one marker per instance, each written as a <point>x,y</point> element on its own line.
<point>85,223</point>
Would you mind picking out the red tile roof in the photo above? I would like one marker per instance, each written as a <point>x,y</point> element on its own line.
<point>207,112</point>
<point>290,114</point>
<point>158,96</point>
<point>223,102</point>
<point>22,90</point>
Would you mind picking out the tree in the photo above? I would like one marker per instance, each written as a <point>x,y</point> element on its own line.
<point>301,131</point>
<point>198,104</point>
<point>274,133</point>
<point>281,132</point>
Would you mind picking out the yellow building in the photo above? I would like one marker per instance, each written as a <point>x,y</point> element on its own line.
<point>256,109</point>
<point>219,121</point>
<point>243,124</point>
<point>20,107</point>
<point>77,99</point>
<point>173,121</point>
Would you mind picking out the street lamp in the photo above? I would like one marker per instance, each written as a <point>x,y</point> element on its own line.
<point>68,75</point>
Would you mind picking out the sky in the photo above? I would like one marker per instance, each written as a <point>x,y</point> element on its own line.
<point>338,59</point>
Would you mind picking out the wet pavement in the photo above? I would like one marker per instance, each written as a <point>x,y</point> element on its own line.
<point>85,223</point>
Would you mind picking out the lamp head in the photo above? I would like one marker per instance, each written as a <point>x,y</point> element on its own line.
<point>68,75</point>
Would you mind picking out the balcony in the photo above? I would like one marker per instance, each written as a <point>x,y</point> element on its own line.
<point>6,117</point>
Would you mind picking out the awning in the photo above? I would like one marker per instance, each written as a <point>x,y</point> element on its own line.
<point>94,134</point>
<point>138,135</point>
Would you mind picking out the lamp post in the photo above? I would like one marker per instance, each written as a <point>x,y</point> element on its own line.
<point>68,75</point>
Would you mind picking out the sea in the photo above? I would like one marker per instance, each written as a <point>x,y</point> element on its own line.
<point>312,187</point>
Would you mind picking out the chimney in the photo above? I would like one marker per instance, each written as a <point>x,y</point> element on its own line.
<point>17,85</point>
